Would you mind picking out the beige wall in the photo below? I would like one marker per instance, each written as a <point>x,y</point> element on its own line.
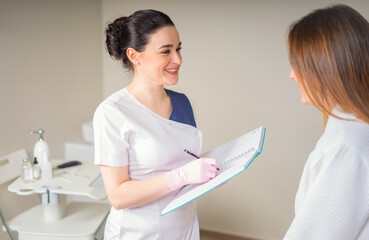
<point>235,70</point>
<point>50,77</point>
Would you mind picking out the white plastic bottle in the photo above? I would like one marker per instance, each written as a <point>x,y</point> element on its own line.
<point>41,147</point>
<point>46,169</point>
<point>27,171</point>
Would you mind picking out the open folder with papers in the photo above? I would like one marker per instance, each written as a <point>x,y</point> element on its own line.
<point>233,157</point>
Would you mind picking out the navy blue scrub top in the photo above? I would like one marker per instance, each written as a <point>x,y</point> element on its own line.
<point>182,110</point>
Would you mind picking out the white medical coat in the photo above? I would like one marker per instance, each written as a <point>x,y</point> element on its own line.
<point>128,133</point>
<point>332,202</point>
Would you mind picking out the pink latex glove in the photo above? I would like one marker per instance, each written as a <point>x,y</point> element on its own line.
<point>197,171</point>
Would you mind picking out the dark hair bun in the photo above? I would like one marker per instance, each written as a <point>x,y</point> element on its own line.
<point>113,35</point>
<point>133,32</point>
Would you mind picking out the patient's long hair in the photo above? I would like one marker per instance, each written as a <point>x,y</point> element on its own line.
<point>329,53</point>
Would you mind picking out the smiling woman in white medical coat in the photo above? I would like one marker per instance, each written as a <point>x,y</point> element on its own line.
<point>141,132</point>
<point>329,54</point>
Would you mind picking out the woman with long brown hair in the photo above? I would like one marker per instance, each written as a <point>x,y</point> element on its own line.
<point>329,55</point>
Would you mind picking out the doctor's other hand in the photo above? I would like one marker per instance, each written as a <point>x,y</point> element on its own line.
<point>197,171</point>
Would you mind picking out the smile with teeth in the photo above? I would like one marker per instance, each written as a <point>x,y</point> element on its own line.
<point>171,70</point>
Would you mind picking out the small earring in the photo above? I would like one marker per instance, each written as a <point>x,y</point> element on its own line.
<point>136,62</point>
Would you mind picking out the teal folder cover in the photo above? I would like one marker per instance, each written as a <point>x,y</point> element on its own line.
<point>233,157</point>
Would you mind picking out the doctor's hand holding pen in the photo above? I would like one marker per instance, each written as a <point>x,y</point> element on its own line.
<point>197,171</point>
<point>214,159</point>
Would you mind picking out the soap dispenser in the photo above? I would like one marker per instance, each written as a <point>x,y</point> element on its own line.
<point>41,147</point>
